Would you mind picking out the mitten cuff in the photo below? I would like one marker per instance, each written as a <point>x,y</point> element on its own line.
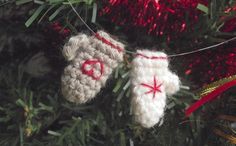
<point>107,45</point>
<point>146,58</point>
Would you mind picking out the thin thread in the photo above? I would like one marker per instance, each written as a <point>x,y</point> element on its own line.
<point>94,33</point>
<point>173,55</point>
<point>73,8</point>
<point>203,49</point>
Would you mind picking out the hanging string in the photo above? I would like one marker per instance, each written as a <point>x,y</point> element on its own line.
<point>73,8</point>
<point>203,49</point>
<point>173,55</point>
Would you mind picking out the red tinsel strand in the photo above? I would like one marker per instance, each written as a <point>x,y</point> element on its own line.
<point>212,65</point>
<point>159,17</point>
<point>230,25</point>
<point>64,32</point>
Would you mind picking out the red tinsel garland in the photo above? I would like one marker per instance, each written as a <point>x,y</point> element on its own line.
<point>159,17</point>
<point>215,64</point>
<point>212,65</point>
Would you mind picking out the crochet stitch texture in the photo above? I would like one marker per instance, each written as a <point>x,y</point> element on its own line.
<point>151,80</point>
<point>93,59</point>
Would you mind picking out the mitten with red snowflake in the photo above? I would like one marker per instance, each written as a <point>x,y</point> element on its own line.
<point>93,59</point>
<point>151,81</point>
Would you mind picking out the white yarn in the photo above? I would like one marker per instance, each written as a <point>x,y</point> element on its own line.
<point>77,86</point>
<point>148,111</point>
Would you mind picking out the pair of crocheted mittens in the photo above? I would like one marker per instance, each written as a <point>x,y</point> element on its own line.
<point>92,60</point>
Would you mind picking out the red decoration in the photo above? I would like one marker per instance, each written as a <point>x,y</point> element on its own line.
<point>151,57</point>
<point>159,17</point>
<point>88,68</point>
<point>209,97</point>
<point>108,42</point>
<point>154,89</point>
<point>64,32</point>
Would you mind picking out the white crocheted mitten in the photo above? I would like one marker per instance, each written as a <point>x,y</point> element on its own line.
<point>151,80</point>
<point>93,59</point>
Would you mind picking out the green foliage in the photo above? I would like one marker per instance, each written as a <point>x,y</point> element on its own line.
<point>55,8</point>
<point>215,18</point>
<point>42,117</point>
<point>203,8</point>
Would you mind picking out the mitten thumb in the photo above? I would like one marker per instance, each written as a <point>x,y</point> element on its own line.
<point>76,42</point>
<point>172,83</point>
